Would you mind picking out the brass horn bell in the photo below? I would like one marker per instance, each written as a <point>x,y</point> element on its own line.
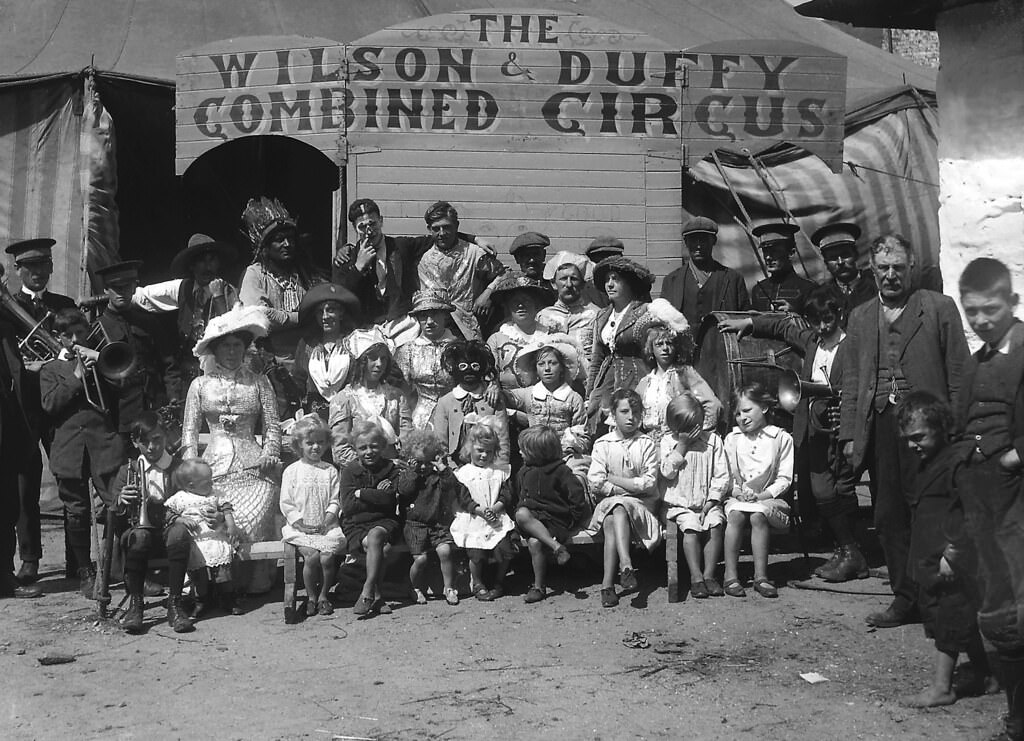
<point>793,390</point>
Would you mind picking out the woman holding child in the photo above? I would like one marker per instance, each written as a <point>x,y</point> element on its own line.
<point>235,402</point>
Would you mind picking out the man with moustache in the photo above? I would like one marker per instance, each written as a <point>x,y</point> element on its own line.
<point>837,243</point>
<point>703,285</point>
<point>904,339</point>
<point>782,289</point>
<point>572,313</point>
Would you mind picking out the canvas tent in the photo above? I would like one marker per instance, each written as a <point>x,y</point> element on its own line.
<point>87,138</point>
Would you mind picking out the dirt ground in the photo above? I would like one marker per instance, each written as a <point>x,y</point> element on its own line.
<point>714,669</point>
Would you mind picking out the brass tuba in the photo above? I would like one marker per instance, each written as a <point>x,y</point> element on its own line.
<point>38,343</point>
<point>792,390</point>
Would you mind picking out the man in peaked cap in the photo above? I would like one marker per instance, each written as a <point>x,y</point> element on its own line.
<point>837,243</point>
<point>782,289</point>
<point>703,285</point>
<point>33,262</point>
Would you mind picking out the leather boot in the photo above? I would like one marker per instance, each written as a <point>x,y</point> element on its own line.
<point>28,573</point>
<point>829,565</point>
<point>87,581</point>
<point>851,565</point>
<point>176,617</point>
<point>1012,679</point>
<point>132,622</point>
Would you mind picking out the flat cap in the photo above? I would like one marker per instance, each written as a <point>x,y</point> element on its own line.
<point>606,246</point>
<point>700,225</point>
<point>529,239</point>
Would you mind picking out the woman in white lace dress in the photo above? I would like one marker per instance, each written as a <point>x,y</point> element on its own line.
<point>235,404</point>
<point>420,360</point>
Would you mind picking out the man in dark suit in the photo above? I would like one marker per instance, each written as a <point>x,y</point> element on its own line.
<point>86,444</point>
<point>837,243</point>
<point>33,261</point>
<point>903,340</point>
<point>703,285</point>
<point>380,269</point>
<point>17,440</point>
<point>155,372</point>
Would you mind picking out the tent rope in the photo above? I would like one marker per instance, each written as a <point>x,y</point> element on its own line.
<point>783,206</point>
<point>856,166</point>
<point>746,221</point>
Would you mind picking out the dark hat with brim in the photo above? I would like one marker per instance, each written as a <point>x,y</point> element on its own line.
<point>768,234</point>
<point>30,250</point>
<point>199,245</point>
<point>621,264</point>
<point>119,272</point>
<point>605,245</point>
<point>836,234</point>
<point>328,292</point>
<point>516,281</point>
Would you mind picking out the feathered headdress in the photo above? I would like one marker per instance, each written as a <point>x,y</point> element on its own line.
<point>261,216</point>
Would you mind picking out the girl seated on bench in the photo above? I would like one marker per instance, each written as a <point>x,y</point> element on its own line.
<point>760,458</point>
<point>310,503</point>
<point>623,474</point>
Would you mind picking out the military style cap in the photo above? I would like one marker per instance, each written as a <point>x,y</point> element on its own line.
<point>529,239</point>
<point>120,272</point>
<point>700,225</point>
<point>30,250</point>
<point>836,234</point>
<point>774,232</point>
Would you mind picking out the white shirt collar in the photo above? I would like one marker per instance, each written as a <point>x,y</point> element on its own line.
<point>162,463</point>
<point>541,393</point>
<point>38,295</point>
<point>460,393</point>
<point>768,431</point>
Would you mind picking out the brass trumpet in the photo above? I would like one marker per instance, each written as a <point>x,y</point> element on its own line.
<point>138,515</point>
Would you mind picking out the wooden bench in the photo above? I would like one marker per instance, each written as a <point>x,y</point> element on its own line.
<point>289,555</point>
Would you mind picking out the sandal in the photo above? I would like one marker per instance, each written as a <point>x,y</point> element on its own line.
<point>733,588</point>
<point>608,597</point>
<point>628,580</point>
<point>482,593</point>
<point>765,588</point>
<point>714,588</point>
<point>451,596</point>
<point>312,607</point>
<point>699,590</point>
<point>382,607</point>
<point>324,607</point>
<point>419,596</point>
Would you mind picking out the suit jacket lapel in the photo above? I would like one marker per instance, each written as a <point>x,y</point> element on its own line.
<point>629,318</point>
<point>914,314</point>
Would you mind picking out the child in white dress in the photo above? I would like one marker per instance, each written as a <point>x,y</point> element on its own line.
<point>486,535</point>
<point>311,503</point>
<point>760,459</point>
<point>694,480</point>
<point>211,522</point>
<point>623,474</point>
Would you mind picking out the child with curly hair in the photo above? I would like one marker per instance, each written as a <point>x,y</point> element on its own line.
<point>311,504</point>
<point>429,495</point>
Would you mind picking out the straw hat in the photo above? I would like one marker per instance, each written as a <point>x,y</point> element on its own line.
<point>567,347</point>
<point>361,340</point>
<point>249,319</point>
<point>429,299</point>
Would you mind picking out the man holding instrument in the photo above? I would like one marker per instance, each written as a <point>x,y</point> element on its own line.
<point>86,444</point>
<point>33,261</point>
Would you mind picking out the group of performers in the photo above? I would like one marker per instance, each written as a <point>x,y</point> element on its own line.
<point>435,333</point>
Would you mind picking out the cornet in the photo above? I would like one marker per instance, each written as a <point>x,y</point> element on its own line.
<point>792,390</point>
<point>138,515</point>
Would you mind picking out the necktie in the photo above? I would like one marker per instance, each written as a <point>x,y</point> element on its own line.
<point>381,270</point>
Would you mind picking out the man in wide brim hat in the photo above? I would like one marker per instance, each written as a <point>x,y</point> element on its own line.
<point>200,245</point>
<point>322,292</point>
